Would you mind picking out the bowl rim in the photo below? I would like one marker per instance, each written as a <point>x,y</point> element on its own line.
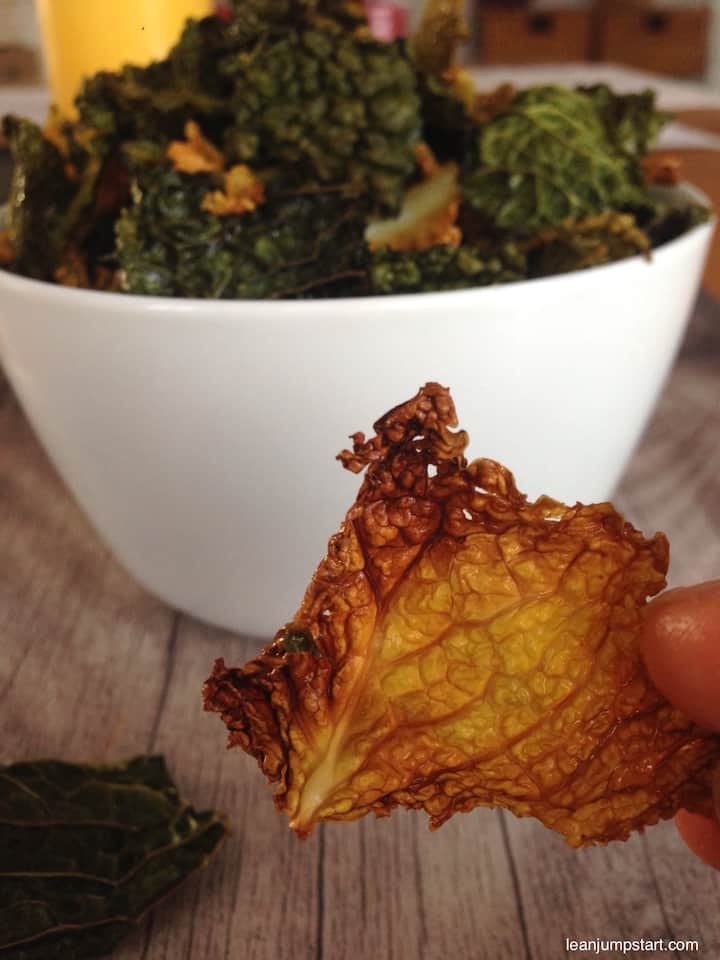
<point>321,307</point>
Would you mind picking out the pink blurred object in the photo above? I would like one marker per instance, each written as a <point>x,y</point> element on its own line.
<point>388,21</point>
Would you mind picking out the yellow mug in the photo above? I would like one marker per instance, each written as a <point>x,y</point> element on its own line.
<point>81,37</point>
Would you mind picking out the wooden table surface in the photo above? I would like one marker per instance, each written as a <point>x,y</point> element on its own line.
<point>94,669</point>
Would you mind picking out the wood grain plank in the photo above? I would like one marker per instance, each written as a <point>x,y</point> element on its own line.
<point>83,649</point>
<point>673,482</point>
<point>93,668</point>
<point>601,892</point>
<point>651,887</point>
<point>260,899</point>
<point>689,890</point>
<point>74,627</point>
<point>372,889</point>
<point>393,889</point>
<point>470,886</point>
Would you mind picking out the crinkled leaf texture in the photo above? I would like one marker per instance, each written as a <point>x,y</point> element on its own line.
<point>547,158</point>
<point>462,647</point>
<point>85,852</point>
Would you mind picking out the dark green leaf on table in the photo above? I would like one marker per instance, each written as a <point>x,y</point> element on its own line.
<point>85,852</point>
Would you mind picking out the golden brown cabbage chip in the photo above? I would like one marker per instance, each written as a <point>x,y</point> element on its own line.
<point>462,647</point>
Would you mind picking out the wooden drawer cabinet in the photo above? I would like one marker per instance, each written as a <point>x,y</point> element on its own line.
<point>18,64</point>
<point>516,36</point>
<point>662,39</point>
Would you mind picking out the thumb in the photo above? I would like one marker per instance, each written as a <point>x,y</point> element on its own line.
<point>701,835</point>
<point>681,646</point>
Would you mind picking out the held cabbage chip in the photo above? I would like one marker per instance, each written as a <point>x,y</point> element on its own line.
<point>460,646</point>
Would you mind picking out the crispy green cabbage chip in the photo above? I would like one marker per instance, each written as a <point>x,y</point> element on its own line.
<point>459,647</point>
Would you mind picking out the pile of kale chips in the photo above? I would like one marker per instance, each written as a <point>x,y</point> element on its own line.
<point>283,152</point>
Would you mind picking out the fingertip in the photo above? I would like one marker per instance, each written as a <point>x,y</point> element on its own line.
<point>680,643</point>
<point>702,835</point>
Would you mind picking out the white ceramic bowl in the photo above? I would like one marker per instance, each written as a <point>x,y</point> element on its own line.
<point>200,436</point>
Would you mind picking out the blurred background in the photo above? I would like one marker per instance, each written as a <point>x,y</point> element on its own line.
<point>677,38</point>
